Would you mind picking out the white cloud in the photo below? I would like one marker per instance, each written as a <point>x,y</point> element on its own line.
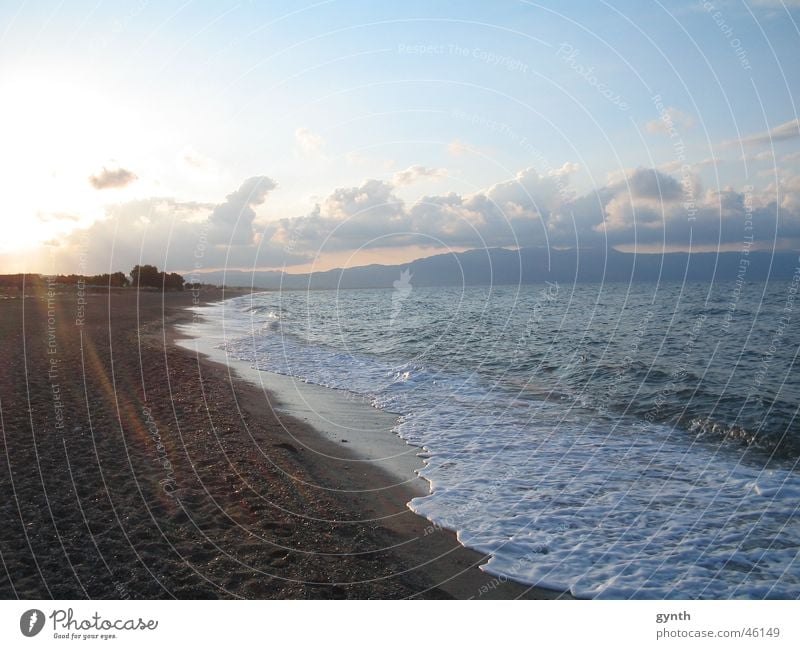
<point>232,221</point>
<point>457,148</point>
<point>676,165</point>
<point>642,200</point>
<point>191,161</point>
<point>786,131</point>
<point>567,169</point>
<point>761,156</point>
<point>638,206</point>
<point>113,178</point>
<point>671,118</point>
<point>174,235</point>
<point>415,173</point>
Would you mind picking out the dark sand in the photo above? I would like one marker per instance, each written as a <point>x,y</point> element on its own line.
<point>135,469</point>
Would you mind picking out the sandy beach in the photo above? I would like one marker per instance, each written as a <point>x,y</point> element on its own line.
<point>134,468</point>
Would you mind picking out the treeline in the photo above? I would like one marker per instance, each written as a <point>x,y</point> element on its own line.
<point>32,281</point>
<point>146,276</point>
<point>150,276</point>
<point>117,280</point>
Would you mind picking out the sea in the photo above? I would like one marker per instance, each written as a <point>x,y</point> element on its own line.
<point>611,440</point>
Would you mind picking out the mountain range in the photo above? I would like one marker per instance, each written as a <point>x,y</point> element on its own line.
<point>527,266</point>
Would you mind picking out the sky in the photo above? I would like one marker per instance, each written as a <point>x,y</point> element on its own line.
<point>201,135</point>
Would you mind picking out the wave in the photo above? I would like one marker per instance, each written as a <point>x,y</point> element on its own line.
<point>776,445</point>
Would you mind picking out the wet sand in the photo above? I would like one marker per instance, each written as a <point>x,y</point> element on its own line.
<point>131,467</point>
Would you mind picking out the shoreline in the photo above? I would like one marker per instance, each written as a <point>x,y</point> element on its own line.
<point>364,432</point>
<point>380,485</point>
<point>137,469</point>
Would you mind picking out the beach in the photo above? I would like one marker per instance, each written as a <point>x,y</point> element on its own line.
<point>135,468</point>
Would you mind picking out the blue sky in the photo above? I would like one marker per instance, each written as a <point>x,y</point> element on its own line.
<point>539,118</point>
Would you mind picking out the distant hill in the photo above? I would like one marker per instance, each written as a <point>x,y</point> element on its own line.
<point>528,266</point>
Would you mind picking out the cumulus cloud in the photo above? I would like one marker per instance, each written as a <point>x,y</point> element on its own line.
<point>671,117</point>
<point>113,178</point>
<point>373,198</point>
<point>566,169</point>
<point>652,184</point>
<point>639,201</point>
<point>176,235</point>
<point>638,206</point>
<point>415,173</point>
<point>711,217</point>
<point>786,131</point>
<point>232,221</point>
<point>349,217</point>
<point>370,214</point>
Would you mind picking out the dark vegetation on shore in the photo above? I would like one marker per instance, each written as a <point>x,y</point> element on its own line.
<point>141,277</point>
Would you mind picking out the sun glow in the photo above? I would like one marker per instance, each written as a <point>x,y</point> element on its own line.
<point>55,133</point>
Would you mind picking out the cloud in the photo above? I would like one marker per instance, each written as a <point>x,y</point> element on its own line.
<point>194,162</point>
<point>232,221</point>
<point>652,184</point>
<point>670,118</point>
<point>308,143</point>
<point>761,156</point>
<point>112,178</point>
<point>415,173</point>
<point>172,234</point>
<point>676,165</point>
<point>457,148</point>
<point>567,169</point>
<point>372,215</point>
<point>639,202</point>
<point>639,206</point>
<point>642,205</point>
<point>786,131</point>
<point>699,217</point>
